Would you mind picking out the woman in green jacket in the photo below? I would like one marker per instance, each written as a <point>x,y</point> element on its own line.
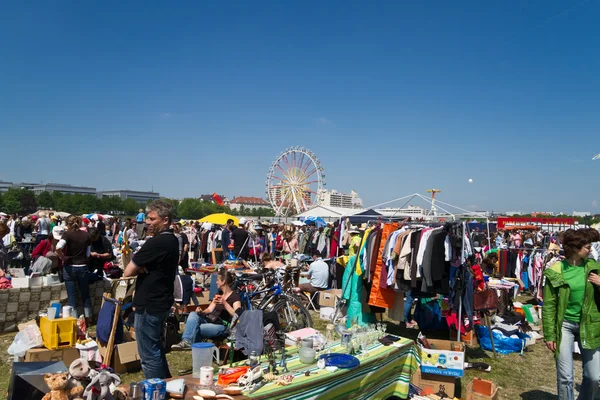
<point>570,313</point>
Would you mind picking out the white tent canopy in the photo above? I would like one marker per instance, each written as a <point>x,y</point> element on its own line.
<point>329,213</point>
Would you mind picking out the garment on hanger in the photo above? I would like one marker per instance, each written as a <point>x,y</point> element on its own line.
<point>382,297</point>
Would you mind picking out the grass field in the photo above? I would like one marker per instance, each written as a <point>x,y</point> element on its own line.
<point>528,377</point>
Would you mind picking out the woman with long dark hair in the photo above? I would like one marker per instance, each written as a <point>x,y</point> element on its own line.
<point>210,323</point>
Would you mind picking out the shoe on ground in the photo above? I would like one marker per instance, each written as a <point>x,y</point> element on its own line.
<point>181,346</point>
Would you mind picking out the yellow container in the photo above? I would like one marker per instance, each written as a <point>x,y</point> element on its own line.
<point>59,333</point>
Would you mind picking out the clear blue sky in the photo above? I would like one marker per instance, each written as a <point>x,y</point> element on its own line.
<point>394,97</point>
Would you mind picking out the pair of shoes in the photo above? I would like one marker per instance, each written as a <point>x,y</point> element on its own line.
<point>181,346</point>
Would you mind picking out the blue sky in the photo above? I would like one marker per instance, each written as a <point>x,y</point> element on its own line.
<point>393,97</point>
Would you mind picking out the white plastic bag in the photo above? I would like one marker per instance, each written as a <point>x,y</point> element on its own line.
<point>28,338</point>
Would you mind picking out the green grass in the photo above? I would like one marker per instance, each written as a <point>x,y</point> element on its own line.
<point>528,377</point>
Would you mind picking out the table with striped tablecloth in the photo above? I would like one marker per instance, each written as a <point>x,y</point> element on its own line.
<point>385,371</point>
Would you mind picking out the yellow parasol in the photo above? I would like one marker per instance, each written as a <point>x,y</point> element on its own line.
<point>219,219</point>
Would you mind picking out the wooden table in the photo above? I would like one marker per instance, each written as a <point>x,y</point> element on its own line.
<point>384,372</point>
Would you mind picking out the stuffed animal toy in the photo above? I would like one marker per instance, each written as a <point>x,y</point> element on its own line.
<point>79,371</point>
<point>57,383</point>
<point>99,387</point>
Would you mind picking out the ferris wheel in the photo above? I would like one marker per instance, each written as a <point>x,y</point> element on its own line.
<point>294,181</point>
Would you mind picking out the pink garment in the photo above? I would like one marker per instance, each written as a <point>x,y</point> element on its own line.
<point>5,283</point>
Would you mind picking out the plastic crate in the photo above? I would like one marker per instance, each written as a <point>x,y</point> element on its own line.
<point>59,333</point>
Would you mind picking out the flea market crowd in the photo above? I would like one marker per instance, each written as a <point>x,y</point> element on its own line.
<point>249,289</point>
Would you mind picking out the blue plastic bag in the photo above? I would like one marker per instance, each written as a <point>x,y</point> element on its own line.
<point>504,344</point>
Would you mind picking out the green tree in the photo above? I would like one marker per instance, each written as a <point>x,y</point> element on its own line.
<point>191,208</point>
<point>65,203</point>
<point>45,200</point>
<point>86,203</point>
<point>131,207</point>
<point>12,202</point>
<point>27,200</point>
<point>111,205</point>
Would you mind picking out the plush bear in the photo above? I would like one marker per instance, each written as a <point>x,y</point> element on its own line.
<point>79,372</point>
<point>57,383</point>
<point>99,387</point>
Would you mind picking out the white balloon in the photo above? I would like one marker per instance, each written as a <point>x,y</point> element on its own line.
<point>470,180</point>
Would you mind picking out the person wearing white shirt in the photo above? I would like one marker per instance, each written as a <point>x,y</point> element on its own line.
<point>318,273</point>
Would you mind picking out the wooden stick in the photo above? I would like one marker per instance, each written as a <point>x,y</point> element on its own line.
<point>111,339</point>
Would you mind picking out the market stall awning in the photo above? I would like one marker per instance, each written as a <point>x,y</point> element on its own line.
<point>219,219</point>
<point>329,212</point>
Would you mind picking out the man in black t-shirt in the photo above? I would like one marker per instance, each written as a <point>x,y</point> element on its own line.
<point>155,265</point>
<point>241,237</point>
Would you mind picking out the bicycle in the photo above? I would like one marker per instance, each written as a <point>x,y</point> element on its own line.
<point>291,313</point>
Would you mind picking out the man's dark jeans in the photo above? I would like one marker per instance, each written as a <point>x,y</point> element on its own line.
<point>148,329</point>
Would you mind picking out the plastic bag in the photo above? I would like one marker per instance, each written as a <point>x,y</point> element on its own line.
<point>28,338</point>
<point>504,344</point>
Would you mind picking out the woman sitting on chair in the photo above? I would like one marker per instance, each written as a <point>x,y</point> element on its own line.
<point>213,321</point>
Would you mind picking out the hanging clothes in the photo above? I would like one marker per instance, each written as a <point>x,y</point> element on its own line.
<point>352,292</point>
<point>335,240</point>
<point>382,297</point>
<point>361,252</point>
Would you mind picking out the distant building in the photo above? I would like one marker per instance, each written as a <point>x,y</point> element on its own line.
<point>513,213</point>
<point>58,187</point>
<point>251,203</point>
<point>25,185</point>
<point>4,186</point>
<point>140,197</point>
<point>410,211</point>
<point>536,214</point>
<point>334,198</point>
<point>581,213</point>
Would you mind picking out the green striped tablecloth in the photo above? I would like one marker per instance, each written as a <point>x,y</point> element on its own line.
<point>384,372</point>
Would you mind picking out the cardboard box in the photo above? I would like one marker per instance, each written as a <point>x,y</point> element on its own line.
<point>35,281</point>
<point>50,280</point>
<point>125,357</point>
<point>470,339</point>
<point>202,298</point>
<point>65,355</point>
<point>481,389</point>
<point>18,283</point>
<point>444,358</point>
<point>330,298</point>
<point>325,313</point>
<point>434,384</point>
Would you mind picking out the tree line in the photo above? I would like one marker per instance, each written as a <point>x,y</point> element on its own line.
<point>24,201</point>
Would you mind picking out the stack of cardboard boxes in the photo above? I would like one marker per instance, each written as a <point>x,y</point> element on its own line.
<point>441,363</point>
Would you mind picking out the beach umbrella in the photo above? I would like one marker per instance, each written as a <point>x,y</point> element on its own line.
<point>318,221</point>
<point>94,217</point>
<point>219,219</point>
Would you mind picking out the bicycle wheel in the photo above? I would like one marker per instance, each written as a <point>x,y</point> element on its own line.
<point>292,315</point>
<point>302,298</point>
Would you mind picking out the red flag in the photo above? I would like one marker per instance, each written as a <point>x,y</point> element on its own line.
<point>217,199</point>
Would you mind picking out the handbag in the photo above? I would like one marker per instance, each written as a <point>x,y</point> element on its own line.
<point>485,300</point>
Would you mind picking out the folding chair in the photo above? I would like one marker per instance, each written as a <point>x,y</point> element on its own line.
<point>313,299</point>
